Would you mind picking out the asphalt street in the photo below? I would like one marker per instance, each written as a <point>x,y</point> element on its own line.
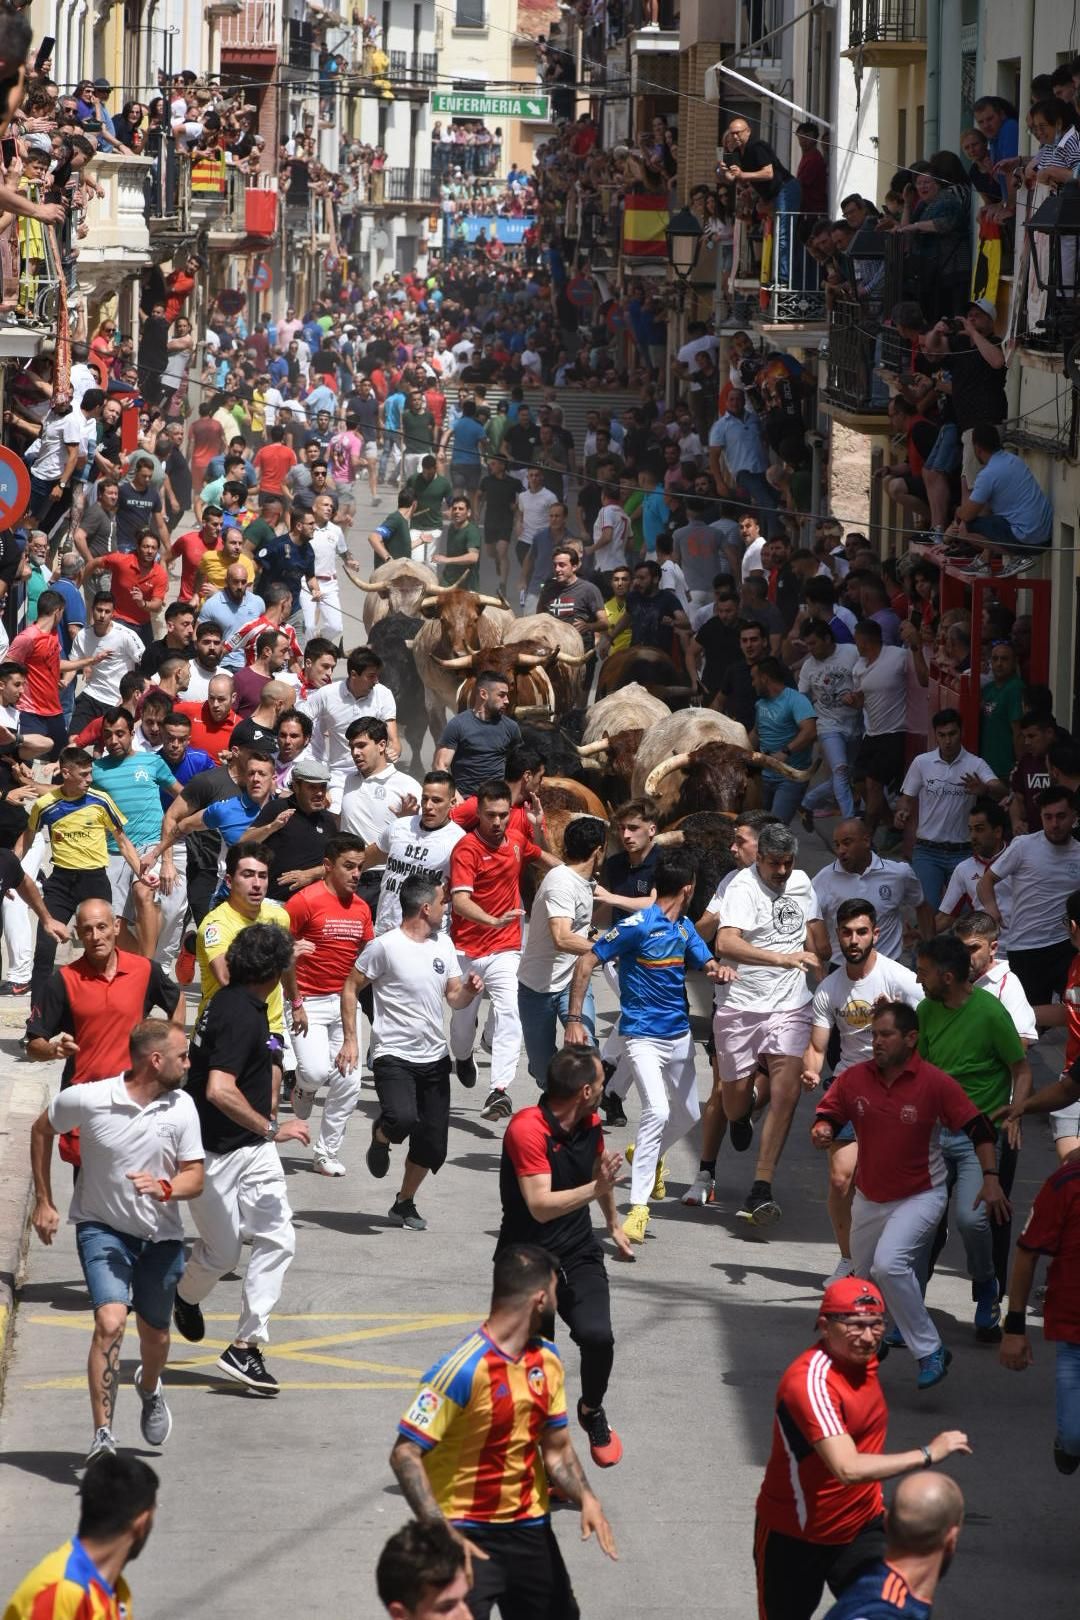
<point>281,1507</point>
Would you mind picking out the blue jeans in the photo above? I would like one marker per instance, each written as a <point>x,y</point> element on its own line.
<point>1067,1387</point>
<point>125,1270</point>
<point>839,750</point>
<point>788,200</point>
<point>782,797</point>
<point>996,528</point>
<point>934,868</point>
<point>541,1011</point>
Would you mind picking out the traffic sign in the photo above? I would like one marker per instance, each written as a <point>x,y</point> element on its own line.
<point>466,105</point>
<point>14,488</point>
<point>262,277</point>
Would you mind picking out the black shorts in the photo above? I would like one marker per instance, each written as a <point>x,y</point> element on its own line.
<point>792,1574</point>
<point>498,537</point>
<point>415,1103</point>
<point>1042,971</point>
<point>882,758</point>
<point>524,1576</point>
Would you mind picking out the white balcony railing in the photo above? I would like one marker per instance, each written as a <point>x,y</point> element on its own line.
<point>256,27</point>
<point>117,232</point>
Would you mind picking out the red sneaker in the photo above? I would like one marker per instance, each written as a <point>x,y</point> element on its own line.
<point>605,1446</point>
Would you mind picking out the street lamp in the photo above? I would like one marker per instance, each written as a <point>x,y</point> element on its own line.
<point>683,236</point>
<point>1055,263</point>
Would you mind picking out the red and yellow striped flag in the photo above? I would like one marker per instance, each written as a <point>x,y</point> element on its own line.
<point>645,220</point>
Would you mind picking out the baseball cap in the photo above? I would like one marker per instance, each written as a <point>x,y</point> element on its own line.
<point>312,770</point>
<point>852,1296</point>
<point>102,84</point>
<point>986,305</point>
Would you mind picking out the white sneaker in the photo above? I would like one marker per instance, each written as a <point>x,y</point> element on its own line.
<point>302,1102</point>
<point>701,1191</point>
<point>326,1164</point>
<point>843,1268</point>
<point>103,1441</point>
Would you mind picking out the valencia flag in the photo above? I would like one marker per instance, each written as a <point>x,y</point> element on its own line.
<point>645,220</point>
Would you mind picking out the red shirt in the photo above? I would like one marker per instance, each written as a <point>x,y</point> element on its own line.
<point>819,1398</point>
<point>492,876</point>
<point>339,929</point>
<point>39,651</point>
<point>192,548</point>
<point>896,1126</point>
<point>127,572</point>
<point>273,464</point>
<point>180,285</point>
<point>1053,1228</point>
<point>465,815</point>
<point>205,733</point>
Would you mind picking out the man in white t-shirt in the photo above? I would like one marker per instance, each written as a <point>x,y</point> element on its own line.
<point>610,535</point>
<point>860,873</point>
<point>333,709</point>
<point>770,930</point>
<point>825,678</point>
<point>988,826</point>
<point>372,797</point>
<point>411,971</point>
<point>322,613</point>
<point>845,1002</point>
<point>939,789</point>
<point>754,543</point>
<point>558,934</point>
<point>123,651</point>
<point>1044,867</point>
<point>416,846</point>
<point>880,675</point>
<point>531,515</point>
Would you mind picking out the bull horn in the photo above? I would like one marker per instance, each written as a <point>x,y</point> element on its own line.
<point>492,601</point>
<point>411,644</point>
<point>572,660</point>
<point>781,769</point>
<point>677,762</point>
<point>366,585</point>
<point>587,750</point>
<point>669,839</point>
<point>531,660</point>
<point>433,593</point>
<point>464,661</point>
<point>529,710</point>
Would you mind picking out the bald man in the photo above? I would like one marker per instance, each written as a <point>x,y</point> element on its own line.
<point>922,1527</point>
<point>259,729</point>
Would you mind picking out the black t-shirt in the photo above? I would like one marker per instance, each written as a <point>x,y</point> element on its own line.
<point>11,872</point>
<point>157,652</point>
<point>758,155</point>
<point>178,472</point>
<point>646,616</point>
<point>720,643</point>
<point>201,790</point>
<point>480,748</point>
<point>299,844</point>
<point>535,1135</point>
<point>233,1035</point>
<point>249,734</point>
<point>499,494</point>
<point>622,878</point>
<point>978,388</point>
<point>520,441</point>
<point>739,694</point>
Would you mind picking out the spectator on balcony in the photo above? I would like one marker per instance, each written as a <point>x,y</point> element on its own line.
<point>976,149</point>
<point>128,126</point>
<point>812,173</point>
<point>1053,124</point>
<point>936,224</point>
<point>976,386</point>
<point>996,119</point>
<point>754,163</point>
<point>1005,510</point>
<point>903,480</point>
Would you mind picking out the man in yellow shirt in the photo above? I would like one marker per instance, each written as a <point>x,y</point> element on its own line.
<point>82,1580</point>
<point>215,565</point>
<point>248,872</point>
<point>615,608</point>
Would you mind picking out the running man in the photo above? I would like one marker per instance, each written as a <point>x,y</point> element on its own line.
<point>653,949</point>
<point>409,971</point>
<point>417,846</point>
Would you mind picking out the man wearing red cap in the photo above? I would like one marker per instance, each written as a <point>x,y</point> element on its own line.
<point>897,1102</point>
<point>819,1510</point>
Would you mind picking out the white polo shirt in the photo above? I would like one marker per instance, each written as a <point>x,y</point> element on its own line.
<point>117,1135</point>
<point>1042,875</point>
<point>370,803</point>
<point>1001,982</point>
<point>961,894</point>
<point>333,709</point>
<point>890,886</point>
<point>944,801</point>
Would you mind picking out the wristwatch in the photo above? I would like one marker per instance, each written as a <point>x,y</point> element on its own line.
<point>272,1128</point>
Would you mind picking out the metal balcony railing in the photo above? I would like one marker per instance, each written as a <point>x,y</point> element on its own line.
<point>167,198</point>
<point>40,269</point>
<point>758,36</point>
<point>872,22</point>
<point>256,26</point>
<point>851,359</point>
<point>414,67</point>
<point>406,186</point>
<point>795,283</point>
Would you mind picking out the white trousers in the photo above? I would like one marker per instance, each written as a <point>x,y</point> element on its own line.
<point>614,1047</point>
<point>244,1196</point>
<point>18,929</point>
<point>500,976</point>
<point>173,908</point>
<point>315,1053</point>
<point>663,1071</point>
<point>322,617</point>
<point>886,1240</point>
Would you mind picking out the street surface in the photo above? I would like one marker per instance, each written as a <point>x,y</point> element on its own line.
<point>280,1508</point>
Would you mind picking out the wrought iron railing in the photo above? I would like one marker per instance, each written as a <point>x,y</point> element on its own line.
<point>419,67</point>
<point>871,22</point>
<point>408,185</point>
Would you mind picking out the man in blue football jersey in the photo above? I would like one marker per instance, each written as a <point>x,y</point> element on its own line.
<point>653,949</point>
<point>922,1527</point>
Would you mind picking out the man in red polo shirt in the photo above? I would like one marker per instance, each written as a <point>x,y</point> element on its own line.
<point>819,1510</point>
<point>896,1103</point>
<point>485,881</point>
<point>212,722</point>
<point>192,546</point>
<point>138,582</point>
<point>89,1007</point>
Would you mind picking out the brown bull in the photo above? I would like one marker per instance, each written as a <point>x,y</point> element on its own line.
<point>562,799</point>
<point>715,776</point>
<point>650,668</point>
<point>539,676</point>
<point>459,624</point>
<point>614,758</point>
<point>398,586</point>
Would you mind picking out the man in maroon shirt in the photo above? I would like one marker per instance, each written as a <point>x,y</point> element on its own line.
<point>896,1103</point>
<point>813,173</point>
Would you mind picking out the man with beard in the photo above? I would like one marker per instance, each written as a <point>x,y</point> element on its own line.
<point>141,1152</point>
<point>1043,866</point>
<point>845,1002</point>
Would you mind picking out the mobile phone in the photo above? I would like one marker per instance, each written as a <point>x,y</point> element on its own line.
<point>45,50</point>
<point>8,149</point>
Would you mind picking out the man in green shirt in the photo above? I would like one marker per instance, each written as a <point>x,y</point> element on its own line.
<point>393,538</point>
<point>264,529</point>
<point>460,546</point>
<point>418,427</point>
<point>967,1032</point>
<point>431,491</point>
<point>1001,705</point>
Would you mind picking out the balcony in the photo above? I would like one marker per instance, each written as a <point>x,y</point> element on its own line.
<point>886,33</point>
<point>413,188</point>
<point>625,22</point>
<point>256,27</point>
<point>414,73</point>
<point>796,298</point>
<point>117,240</point>
<point>759,39</point>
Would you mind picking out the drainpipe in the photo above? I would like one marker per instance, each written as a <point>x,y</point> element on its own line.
<point>932,115</point>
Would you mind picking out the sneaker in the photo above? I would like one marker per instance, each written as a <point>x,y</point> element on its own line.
<point>659,1186</point>
<point>465,1069</point>
<point>760,1208</point>
<point>155,1420</point>
<point>302,1102</point>
<point>701,1191</point>
<point>893,1339</point>
<point>188,1320</point>
<point>987,1313</point>
<point>1016,564</point>
<point>377,1157</point>
<point>185,961</point>
<point>843,1268</point>
<point>326,1164</point>
<point>288,1085</point>
<point>741,1132</point>
<point>605,1447</point>
<point>403,1212</point>
<point>977,566</point>
<point>932,1368</point>
<point>497,1105</point>
<point>636,1223</point>
<point>1064,1461</point>
<point>103,1442</point>
<point>612,1109</point>
<point>10,988</point>
<point>244,1362</point>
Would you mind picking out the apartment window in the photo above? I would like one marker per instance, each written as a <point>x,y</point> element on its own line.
<point>469,14</point>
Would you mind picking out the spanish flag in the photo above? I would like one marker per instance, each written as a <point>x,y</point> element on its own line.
<point>208,174</point>
<point>645,220</point>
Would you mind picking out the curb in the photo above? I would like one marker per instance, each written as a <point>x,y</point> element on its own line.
<point>25,1089</point>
